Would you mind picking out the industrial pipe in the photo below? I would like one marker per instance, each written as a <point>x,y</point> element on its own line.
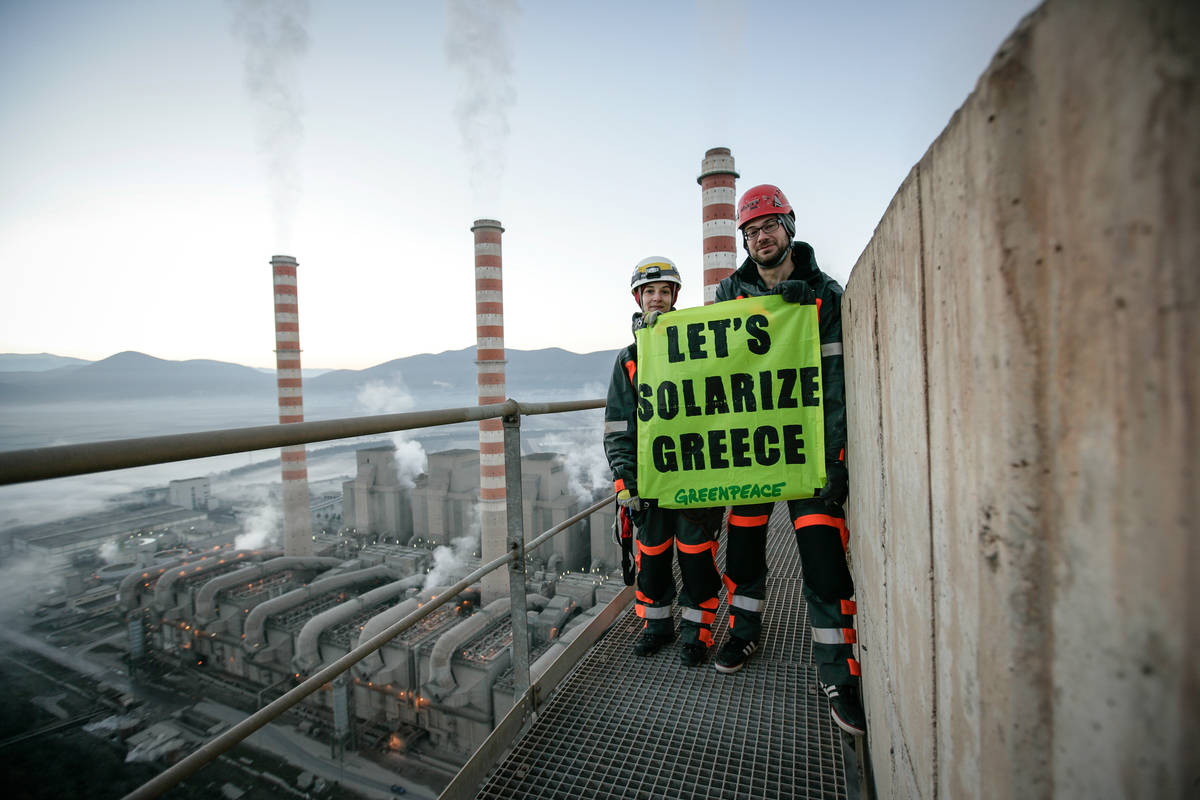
<point>441,679</point>
<point>165,585</point>
<point>307,650</point>
<point>128,587</point>
<point>257,618</point>
<point>206,607</point>
<point>374,662</point>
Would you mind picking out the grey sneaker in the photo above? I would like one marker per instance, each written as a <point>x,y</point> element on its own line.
<point>734,654</point>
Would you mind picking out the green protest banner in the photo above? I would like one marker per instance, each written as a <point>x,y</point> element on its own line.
<point>729,404</point>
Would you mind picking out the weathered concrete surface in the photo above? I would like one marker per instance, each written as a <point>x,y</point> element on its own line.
<point>1023,350</point>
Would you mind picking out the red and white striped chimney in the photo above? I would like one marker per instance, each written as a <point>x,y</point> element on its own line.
<point>489,361</point>
<point>719,197</point>
<point>297,513</point>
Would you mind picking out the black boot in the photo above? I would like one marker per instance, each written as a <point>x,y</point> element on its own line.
<point>648,642</point>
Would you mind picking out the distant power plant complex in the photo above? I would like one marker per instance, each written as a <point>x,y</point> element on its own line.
<point>264,619</point>
<point>259,620</point>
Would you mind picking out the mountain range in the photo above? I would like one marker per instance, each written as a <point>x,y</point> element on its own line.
<point>531,374</point>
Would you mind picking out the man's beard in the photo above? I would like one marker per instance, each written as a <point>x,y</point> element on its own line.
<point>779,258</point>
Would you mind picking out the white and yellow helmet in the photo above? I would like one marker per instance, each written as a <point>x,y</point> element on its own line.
<point>652,269</point>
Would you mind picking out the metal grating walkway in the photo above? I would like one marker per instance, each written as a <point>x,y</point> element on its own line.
<point>649,728</point>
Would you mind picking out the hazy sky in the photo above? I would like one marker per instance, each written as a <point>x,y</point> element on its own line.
<point>156,153</point>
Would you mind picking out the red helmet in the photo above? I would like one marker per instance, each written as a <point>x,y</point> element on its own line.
<point>761,201</point>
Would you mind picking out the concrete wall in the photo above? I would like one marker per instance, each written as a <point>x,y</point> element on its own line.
<point>1023,342</point>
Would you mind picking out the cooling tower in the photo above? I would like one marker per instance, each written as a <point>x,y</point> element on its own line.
<point>718,192</point>
<point>489,360</point>
<point>297,517</point>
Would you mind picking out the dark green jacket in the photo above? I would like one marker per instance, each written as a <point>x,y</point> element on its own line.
<point>746,282</point>
<point>620,417</point>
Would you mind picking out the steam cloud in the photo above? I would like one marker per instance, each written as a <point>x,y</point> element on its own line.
<point>582,456</point>
<point>262,526</point>
<point>477,44</point>
<point>449,561</point>
<point>110,552</point>
<point>275,37</point>
<point>379,397</point>
<point>18,577</point>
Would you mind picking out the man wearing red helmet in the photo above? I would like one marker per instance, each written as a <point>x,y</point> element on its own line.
<point>660,531</point>
<point>778,264</point>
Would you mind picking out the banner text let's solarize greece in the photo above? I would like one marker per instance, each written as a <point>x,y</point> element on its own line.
<point>729,404</point>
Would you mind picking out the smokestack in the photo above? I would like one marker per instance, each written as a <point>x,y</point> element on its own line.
<point>489,360</point>
<point>297,515</point>
<point>719,197</point>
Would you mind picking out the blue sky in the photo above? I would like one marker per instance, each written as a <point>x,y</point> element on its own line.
<point>136,212</point>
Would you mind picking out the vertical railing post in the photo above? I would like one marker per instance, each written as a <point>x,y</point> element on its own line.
<point>516,546</point>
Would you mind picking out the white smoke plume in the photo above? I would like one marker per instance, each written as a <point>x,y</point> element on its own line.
<point>263,526</point>
<point>582,455</point>
<point>451,561</point>
<point>379,397</point>
<point>274,33</point>
<point>110,552</point>
<point>478,45</point>
<point>19,577</point>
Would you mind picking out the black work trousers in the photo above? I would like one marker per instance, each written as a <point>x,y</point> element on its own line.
<point>828,587</point>
<point>660,533</point>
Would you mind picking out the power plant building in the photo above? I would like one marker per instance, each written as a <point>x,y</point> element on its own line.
<point>375,504</point>
<point>444,500</point>
<point>85,534</point>
<point>190,493</point>
<point>547,502</point>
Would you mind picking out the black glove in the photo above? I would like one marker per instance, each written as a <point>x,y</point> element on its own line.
<point>837,483</point>
<point>795,292</point>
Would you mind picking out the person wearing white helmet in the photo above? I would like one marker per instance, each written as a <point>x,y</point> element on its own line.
<point>661,532</point>
<point>779,264</point>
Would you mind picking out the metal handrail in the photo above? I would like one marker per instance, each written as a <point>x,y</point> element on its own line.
<point>38,464</point>
<point>21,466</point>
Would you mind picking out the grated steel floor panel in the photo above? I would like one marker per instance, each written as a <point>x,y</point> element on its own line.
<point>647,728</point>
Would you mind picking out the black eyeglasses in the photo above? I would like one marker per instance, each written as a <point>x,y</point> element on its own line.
<point>767,227</point>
